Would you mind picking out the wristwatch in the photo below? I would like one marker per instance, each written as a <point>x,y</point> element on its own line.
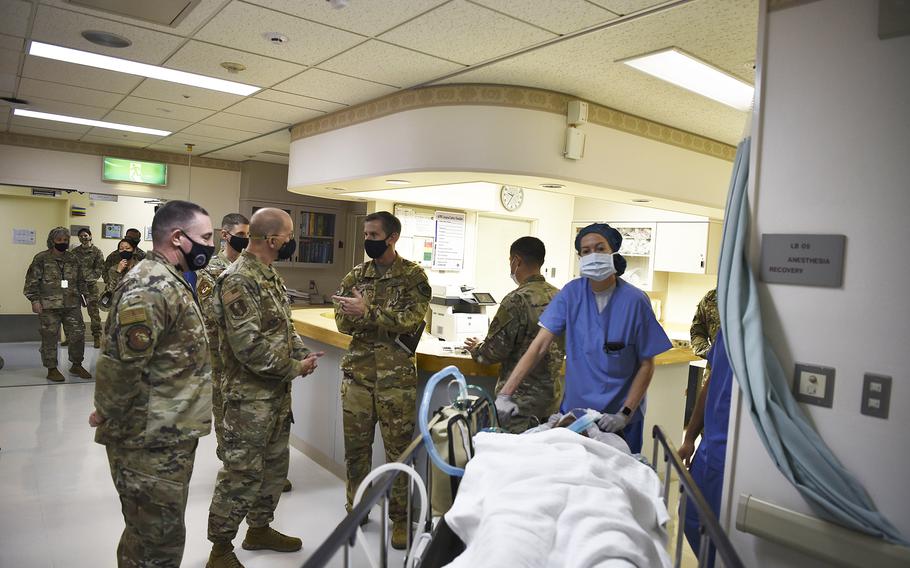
<point>626,411</point>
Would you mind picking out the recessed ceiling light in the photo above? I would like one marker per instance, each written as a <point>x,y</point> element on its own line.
<point>641,201</point>
<point>106,39</point>
<point>78,57</point>
<point>397,182</point>
<point>275,38</point>
<point>89,122</point>
<point>552,185</point>
<point>233,67</point>
<point>687,72</point>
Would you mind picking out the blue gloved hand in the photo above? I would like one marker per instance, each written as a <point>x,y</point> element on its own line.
<point>505,408</point>
<point>612,422</point>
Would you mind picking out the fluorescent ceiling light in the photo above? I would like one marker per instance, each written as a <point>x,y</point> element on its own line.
<point>58,53</point>
<point>89,122</point>
<point>685,71</point>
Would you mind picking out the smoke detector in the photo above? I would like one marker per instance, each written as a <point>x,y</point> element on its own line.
<point>275,38</point>
<point>233,67</point>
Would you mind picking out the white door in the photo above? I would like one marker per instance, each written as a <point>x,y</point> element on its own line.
<point>494,237</point>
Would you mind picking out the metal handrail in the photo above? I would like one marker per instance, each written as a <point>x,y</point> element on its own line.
<point>709,527</point>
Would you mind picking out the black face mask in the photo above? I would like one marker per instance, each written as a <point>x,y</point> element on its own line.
<point>199,254</point>
<point>126,255</point>
<point>61,246</point>
<point>135,242</point>
<point>375,248</point>
<point>239,243</point>
<point>287,250</point>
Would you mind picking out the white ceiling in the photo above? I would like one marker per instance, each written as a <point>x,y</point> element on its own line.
<point>336,58</point>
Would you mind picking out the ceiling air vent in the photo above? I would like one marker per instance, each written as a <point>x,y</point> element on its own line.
<point>163,12</point>
<point>273,153</point>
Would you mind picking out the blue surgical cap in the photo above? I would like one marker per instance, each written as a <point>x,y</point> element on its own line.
<point>606,231</point>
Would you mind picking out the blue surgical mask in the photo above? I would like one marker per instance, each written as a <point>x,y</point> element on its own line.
<point>598,266</point>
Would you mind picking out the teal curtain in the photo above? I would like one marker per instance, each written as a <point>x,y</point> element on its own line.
<point>796,448</point>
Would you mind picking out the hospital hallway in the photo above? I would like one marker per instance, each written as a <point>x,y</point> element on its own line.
<point>58,506</point>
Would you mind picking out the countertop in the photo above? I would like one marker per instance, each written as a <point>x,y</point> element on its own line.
<point>318,323</point>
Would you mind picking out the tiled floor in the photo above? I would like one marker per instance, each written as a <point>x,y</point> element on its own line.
<point>58,506</point>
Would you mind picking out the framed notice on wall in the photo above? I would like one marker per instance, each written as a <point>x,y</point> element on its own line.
<point>450,229</point>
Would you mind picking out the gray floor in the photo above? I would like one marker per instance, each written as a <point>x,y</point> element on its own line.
<point>58,506</point>
<point>23,365</point>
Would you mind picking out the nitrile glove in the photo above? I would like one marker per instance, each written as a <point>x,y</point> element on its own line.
<point>505,408</point>
<point>612,422</point>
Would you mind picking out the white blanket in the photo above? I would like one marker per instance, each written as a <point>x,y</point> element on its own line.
<point>557,499</point>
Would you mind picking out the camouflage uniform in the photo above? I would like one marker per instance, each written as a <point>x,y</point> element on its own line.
<point>114,258</point>
<point>44,283</point>
<point>114,276</point>
<point>705,326</point>
<point>205,288</point>
<point>154,391</point>
<point>511,332</point>
<point>379,377</point>
<point>261,352</point>
<point>92,263</point>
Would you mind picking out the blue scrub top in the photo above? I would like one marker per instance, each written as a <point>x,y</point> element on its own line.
<point>717,404</point>
<point>595,379</point>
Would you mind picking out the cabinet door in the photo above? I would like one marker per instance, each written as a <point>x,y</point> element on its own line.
<point>681,247</point>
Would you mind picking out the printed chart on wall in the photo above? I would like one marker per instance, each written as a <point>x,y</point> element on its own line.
<point>418,234</point>
<point>450,229</point>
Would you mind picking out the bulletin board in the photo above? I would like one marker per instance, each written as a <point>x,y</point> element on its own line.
<point>432,238</point>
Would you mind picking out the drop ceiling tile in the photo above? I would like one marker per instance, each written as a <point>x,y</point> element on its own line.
<point>368,18</point>
<point>329,86</point>
<point>163,109</point>
<point>62,135</point>
<point>262,109</point>
<point>384,63</point>
<point>623,7</point>
<point>11,43</point>
<point>184,95</point>
<point>242,26</point>
<point>465,33</point>
<point>177,148</point>
<point>181,139</point>
<point>276,142</point>
<point>197,15</point>
<point>94,138</point>
<point>63,27</point>
<point>245,123</point>
<point>65,108</point>
<point>9,61</point>
<point>299,101</point>
<point>14,17</point>
<point>227,155</point>
<point>272,159</point>
<point>40,124</point>
<point>78,75</point>
<point>145,121</point>
<point>217,132</point>
<point>68,93</point>
<point>146,139</point>
<point>557,16</point>
<point>206,59</point>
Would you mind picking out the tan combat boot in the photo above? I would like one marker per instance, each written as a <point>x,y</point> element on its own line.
<point>54,375</point>
<point>80,371</point>
<point>267,538</point>
<point>399,535</point>
<point>97,343</point>
<point>287,486</point>
<point>222,556</point>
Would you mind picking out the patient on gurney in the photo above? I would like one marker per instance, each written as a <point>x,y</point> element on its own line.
<point>552,497</point>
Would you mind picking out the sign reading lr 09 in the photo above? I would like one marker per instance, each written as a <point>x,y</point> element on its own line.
<point>133,171</point>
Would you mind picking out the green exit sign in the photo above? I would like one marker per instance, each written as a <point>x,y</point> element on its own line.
<point>133,171</point>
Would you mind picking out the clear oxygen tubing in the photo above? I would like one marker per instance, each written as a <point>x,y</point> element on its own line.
<point>423,413</point>
<point>421,534</point>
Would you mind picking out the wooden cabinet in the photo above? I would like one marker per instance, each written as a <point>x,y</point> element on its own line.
<point>688,247</point>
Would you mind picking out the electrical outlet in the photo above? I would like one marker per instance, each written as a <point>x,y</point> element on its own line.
<point>876,395</point>
<point>814,384</point>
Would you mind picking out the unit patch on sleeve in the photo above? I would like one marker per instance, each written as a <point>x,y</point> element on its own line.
<point>205,289</point>
<point>138,338</point>
<point>238,309</point>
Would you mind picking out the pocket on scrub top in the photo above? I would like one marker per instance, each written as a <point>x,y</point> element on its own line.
<point>621,362</point>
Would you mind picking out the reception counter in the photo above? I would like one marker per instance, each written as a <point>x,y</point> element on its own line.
<point>318,429</point>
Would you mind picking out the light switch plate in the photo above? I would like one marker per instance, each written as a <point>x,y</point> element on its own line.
<point>814,384</point>
<point>876,395</point>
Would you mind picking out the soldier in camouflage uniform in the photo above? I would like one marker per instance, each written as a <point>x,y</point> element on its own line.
<point>91,260</point>
<point>262,354</point>
<point>235,231</point>
<point>705,326</point>
<point>132,236</point>
<point>54,284</point>
<point>514,328</point>
<point>153,396</point>
<point>379,300</point>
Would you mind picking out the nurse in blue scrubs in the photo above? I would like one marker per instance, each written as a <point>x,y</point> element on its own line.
<point>611,338</point>
<point>710,417</point>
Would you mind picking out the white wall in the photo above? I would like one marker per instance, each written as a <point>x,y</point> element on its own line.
<point>833,158</point>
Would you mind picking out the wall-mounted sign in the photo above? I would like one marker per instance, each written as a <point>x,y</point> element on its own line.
<point>23,236</point>
<point>111,231</point>
<point>806,260</point>
<point>133,171</point>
